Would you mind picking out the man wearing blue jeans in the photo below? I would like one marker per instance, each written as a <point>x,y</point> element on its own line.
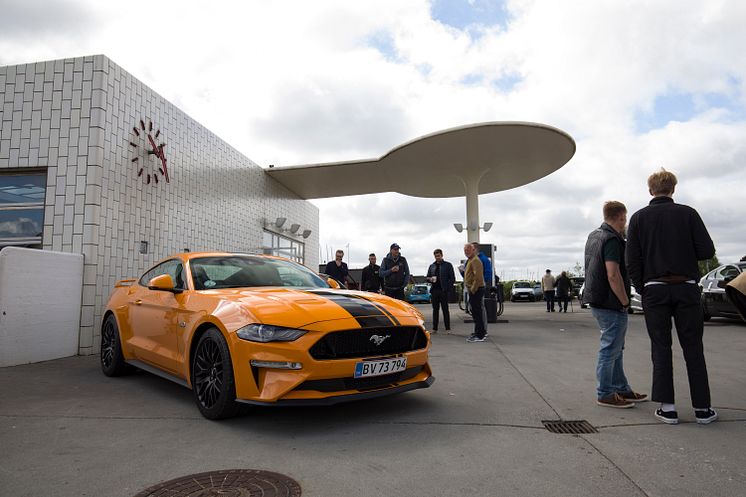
<point>607,293</point>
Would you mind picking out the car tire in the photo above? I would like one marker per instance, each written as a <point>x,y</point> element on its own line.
<point>213,383</point>
<point>112,359</point>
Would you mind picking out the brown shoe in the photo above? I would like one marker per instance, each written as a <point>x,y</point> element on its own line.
<point>634,396</point>
<point>615,400</point>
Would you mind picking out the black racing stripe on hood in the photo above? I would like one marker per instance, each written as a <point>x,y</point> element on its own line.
<point>384,310</point>
<point>367,314</point>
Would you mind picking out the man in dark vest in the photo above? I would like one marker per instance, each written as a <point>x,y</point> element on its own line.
<point>370,281</point>
<point>441,276</point>
<point>607,293</point>
<point>395,273</point>
<point>665,242</point>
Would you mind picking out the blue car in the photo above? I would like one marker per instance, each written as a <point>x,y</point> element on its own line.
<point>419,294</point>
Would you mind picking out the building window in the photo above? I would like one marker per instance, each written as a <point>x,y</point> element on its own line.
<point>22,208</point>
<point>282,246</point>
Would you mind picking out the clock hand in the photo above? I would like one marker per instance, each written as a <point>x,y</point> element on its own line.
<point>158,151</point>
<point>163,161</point>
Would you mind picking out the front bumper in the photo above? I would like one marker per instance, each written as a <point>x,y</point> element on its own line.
<point>338,399</point>
<point>319,381</point>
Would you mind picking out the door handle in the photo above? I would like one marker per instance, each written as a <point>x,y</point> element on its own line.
<point>138,302</point>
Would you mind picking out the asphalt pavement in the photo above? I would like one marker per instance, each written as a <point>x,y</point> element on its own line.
<point>67,430</point>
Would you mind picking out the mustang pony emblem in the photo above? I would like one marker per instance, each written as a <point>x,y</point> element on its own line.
<point>379,339</point>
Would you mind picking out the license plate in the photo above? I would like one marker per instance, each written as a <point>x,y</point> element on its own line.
<point>377,368</point>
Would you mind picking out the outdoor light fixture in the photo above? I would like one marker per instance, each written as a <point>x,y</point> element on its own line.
<point>143,247</point>
<point>280,221</point>
<point>487,226</point>
<point>294,228</point>
<point>459,227</point>
<point>307,233</point>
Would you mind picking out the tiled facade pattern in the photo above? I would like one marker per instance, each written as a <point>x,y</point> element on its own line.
<point>74,117</point>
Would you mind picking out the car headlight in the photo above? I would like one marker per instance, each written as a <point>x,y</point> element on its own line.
<point>268,333</point>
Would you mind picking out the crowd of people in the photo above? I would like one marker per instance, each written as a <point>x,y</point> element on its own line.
<point>393,275</point>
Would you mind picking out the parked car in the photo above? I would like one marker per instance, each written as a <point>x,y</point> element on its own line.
<point>577,282</point>
<point>715,302</point>
<point>522,290</point>
<point>538,292</point>
<point>635,301</point>
<point>420,293</point>
<point>260,330</point>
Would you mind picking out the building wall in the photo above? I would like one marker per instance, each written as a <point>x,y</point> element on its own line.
<point>75,118</point>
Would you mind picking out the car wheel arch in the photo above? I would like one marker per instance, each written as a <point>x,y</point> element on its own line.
<point>200,330</point>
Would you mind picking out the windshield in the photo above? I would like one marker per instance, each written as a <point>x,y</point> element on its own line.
<point>241,271</point>
<point>521,284</point>
<point>419,290</point>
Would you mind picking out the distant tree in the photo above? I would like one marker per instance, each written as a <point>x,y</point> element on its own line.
<point>708,265</point>
<point>577,269</point>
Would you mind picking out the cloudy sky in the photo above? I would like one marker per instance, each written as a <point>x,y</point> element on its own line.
<point>639,85</point>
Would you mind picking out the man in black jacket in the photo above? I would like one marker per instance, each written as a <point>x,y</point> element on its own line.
<point>370,281</point>
<point>395,273</point>
<point>665,242</point>
<point>338,269</point>
<point>441,276</point>
<point>607,293</point>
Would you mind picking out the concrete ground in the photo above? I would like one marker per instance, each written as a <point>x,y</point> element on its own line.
<point>67,430</point>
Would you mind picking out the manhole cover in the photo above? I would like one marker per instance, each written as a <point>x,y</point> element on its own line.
<point>227,483</point>
<point>569,427</point>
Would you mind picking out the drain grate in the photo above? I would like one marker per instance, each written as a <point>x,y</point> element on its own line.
<point>569,427</point>
<point>227,483</point>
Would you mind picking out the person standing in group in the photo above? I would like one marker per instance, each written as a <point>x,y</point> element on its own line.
<point>370,281</point>
<point>395,273</point>
<point>607,293</point>
<point>441,277</point>
<point>564,289</point>
<point>338,269</point>
<point>547,286</point>
<point>665,242</point>
<point>474,284</point>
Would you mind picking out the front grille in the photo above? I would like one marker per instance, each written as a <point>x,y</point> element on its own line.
<point>361,342</point>
<point>341,384</point>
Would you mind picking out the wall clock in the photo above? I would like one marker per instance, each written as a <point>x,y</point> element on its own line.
<point>148,152</point>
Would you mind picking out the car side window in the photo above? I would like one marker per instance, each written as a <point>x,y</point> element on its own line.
<point>174,268</point>
<point>727,272</point>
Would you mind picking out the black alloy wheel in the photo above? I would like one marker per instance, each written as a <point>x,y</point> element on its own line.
<point>112,359</point>
<point>213,383</point>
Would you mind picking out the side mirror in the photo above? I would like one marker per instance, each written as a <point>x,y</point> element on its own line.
<point>163,283</point>
<point>333,283</point>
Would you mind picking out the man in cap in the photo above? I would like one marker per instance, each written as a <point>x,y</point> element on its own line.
<point>395,273</point>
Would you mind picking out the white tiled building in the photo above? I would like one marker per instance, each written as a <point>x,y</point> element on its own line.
<point>75,135</point>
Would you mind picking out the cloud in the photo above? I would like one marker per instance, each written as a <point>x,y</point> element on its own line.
<point>292,82</point>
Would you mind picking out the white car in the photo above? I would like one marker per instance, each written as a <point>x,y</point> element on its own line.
<point>522,290</point>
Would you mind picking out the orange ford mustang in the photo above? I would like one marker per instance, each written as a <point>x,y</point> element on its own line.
<point>248,329</point>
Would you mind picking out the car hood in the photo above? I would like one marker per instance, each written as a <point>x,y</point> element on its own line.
<point>298,308</point>
<point>522,290</point>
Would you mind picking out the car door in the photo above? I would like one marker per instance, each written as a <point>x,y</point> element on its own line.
<point>154,317</point>
<point>717,289</point>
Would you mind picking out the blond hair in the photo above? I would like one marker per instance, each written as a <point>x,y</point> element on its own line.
<point>662,182</point>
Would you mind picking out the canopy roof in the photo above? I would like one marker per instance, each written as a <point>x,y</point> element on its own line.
<point>495,155</point>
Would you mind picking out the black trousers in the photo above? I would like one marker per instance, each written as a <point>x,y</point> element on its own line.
<point>549,297</point>
<point>396,293</point>
<point>476,300</point>
<point>562,300</point>
<point>439,299</point>
<point>682,304</point>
